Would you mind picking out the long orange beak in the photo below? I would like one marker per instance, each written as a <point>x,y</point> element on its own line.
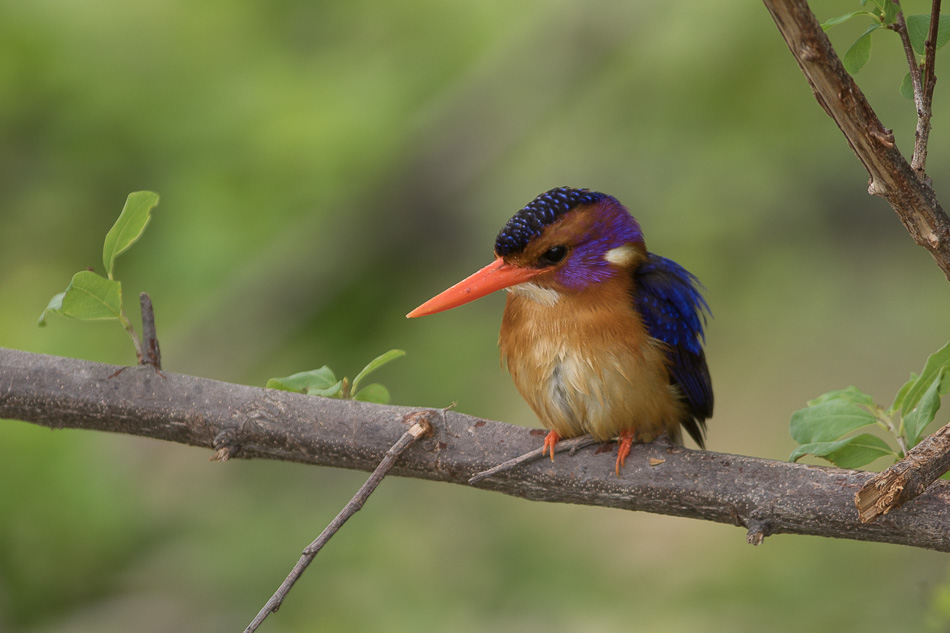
<point>495,276</point>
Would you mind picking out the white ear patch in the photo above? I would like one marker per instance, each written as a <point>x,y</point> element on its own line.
<point>621,255</point>
<point>544,296</point>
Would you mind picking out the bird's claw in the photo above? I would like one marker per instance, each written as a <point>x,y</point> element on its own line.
<point>627,438</point>
<point>550,440</point>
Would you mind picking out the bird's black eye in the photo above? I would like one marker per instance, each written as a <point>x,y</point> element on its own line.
<point>553,255</point>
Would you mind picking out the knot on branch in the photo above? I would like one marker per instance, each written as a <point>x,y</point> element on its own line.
<point>759,526</point>
<point>882,135</point>
<point>421,424</point>
<point>808,52</point>
<point>225,446</point>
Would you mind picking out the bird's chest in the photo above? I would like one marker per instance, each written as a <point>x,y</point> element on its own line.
<point>584,370</point>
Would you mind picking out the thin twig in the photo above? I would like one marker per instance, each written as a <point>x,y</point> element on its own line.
<point>915,78</point>
<point>925,104</point>
<point>572,445</point>
<point>421,428</point>
<point>930,48</point>
<point>151,354</point>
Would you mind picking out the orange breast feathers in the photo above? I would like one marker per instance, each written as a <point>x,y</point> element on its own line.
<point>585,363</point>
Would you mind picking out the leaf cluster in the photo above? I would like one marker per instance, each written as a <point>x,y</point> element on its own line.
<point>92,297</point>
<point>323,382</point>
<point>884,15</point>
<point>825,428</point>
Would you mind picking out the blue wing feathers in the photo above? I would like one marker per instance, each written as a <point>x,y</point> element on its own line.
<point>669,299</point>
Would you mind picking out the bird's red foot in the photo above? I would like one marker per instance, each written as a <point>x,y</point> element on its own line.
<point>627,438</point>
<point>550,440</point>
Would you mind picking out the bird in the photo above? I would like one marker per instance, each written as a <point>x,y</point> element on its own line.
<point>600,336</point>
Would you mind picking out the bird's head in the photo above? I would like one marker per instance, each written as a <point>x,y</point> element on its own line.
<point>562,242</point>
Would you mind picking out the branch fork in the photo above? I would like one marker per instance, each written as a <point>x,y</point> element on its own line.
<point>905,187</point>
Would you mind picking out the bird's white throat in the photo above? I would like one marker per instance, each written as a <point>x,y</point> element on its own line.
<point>545,296</point>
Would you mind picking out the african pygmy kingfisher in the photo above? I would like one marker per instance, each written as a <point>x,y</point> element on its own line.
<point>600,335</point>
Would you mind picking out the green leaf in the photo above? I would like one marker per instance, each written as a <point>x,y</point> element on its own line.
<point>89,297</point>
<point>128,228</point>
<point>890,13</point>
<point>943,30</point>
<point>827,24</point>
<point>373,392</point>
<point>375,364</point>
<point>848,394</point>
<point>918,27</point>
<point>907,86</point>
<point>828,421</point>
<point>923,414</point>
<point>304,381</point>
<point>860,52</point>
<point>936,363</point>
<point>55,305</point>
<point>902,393</point>
<point>851,452</point>
<point>333,391</point>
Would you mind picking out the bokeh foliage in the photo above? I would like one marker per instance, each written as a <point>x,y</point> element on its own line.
<point>325,167</point>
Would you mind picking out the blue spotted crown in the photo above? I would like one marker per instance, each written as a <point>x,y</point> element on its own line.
<point>528,223</point>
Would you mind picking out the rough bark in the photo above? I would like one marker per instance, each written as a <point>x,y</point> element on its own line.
<point>907,478</point>
<point>764,496</point>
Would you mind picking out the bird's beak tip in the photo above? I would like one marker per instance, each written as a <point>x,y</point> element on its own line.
<point>495,276</point>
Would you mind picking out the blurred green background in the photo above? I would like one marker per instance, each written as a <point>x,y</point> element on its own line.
<point>325,167</point>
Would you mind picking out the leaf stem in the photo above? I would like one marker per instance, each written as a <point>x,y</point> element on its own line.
<point>124,320</point>
<point>885,421</point>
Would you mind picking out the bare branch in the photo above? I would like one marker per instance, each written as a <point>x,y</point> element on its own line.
<point>915,79</point>
<point>925,103</point>
<point>764,496</point>
<point>421,428</point>
<point>923,83</point>
<point>891,177</point>
<point>930,49</point>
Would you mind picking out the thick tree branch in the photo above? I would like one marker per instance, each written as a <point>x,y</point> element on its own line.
<point>767,497</point>
<point>891,177</point>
